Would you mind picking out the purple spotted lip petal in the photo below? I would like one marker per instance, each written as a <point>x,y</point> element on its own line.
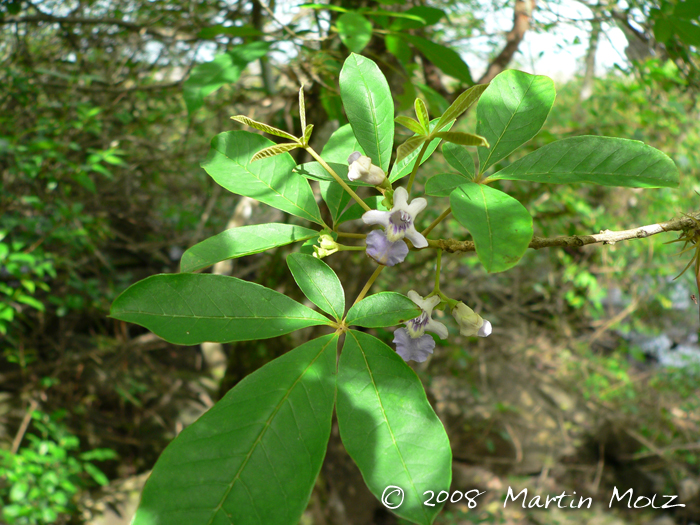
<point>383,251</point>
<point>413,349</point>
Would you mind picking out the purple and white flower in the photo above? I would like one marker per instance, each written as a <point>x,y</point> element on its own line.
<point>399,222</point>
<point>361,168</point>
<point>412,343</point>
<point>384,252</point>
<point>424,322</point>
<point>470,323</point>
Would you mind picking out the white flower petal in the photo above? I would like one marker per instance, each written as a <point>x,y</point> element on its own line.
<point>416,206</point>
<point>485,329</point>
<point>377,217</point>
<point>416,238</point>
<point>400,199</point>
<point>437,328</point>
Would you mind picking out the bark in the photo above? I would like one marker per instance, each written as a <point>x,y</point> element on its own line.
<point>589,75</point>
<point>521,23</point>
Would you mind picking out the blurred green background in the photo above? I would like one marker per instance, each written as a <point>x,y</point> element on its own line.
<point>591,379</point>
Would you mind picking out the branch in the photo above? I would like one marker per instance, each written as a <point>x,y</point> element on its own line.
<point>83,20</point>
<point>110,89</point>
<point>605,236</point>
<point>23,426</point>
<point>521,23</point>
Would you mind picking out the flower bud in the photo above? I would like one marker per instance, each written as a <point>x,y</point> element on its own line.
<point>326,247</point>
<point>361,168</point>
<point>470,323</point>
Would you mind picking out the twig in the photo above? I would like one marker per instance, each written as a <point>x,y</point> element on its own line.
<point>23,426</point>
<point>605,237</point>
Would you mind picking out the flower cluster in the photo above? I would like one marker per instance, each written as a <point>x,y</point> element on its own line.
<point>389,248</point>
<point>413,344</point>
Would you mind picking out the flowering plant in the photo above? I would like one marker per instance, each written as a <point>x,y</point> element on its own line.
<point>253,458</point>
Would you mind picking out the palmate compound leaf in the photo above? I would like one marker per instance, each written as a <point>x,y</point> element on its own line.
<point>599,160</point>
<point>188,309</point>
<point>500,226</point>
<point>242,241</point>
<point>369,107</point>
<point>382,309</point>
<point>268,180</point>
<point>389,428</point>
<point>253,458</point>
<point>510,112</point>
<point>318,282</point>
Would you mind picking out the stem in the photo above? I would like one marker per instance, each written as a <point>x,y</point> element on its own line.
<point>337,178</point>
<point>437,271</point>
<point>437,221</point>
<point>352,235</point>
<point>344,248</point>
<point>419,158</point>
<point>370,282</point>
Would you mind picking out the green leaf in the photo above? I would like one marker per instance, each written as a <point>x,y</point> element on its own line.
<point>96,474</point>
<point>500,226</point>
<point>403,167</point>
<point>216,30</point>
<point>188,309</point>
<point>355,31</point>
<point>442,184</point>
<point>510,112</point>
<point>324,6</point>
<point>398,47</point>
<point>242,241</point>
<point>270,180</point>
<point>302,110</point>
<point>307,133</point>
<point>226,68</point>
<point>662,29</point>
<point>355,212</point>
<point>463,139</point>
<point>430,16</point>
<point>444,58</point>
<point>253,458</point>
<point>408,147</point>
<point>369,107</point>
<point>336,199</point>
<point>436,102</point>
<point>460,159</point>
<point>461,104</point>
<point>30,301</point>
<point>318,282</point>
<point>273,151</point>
<point>389,428</point>
<point>314,171</point>
<point>382,309</point>
<point>263,127</point>
<point>411,124</point>
<point>688,32</point>
<point>422,114</point>
<point>689,10</point>
<point>599,160</point>
<point>341,144</point>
